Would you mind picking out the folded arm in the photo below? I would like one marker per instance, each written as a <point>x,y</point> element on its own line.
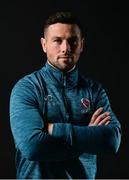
<point>103,135</point>
<point>28,128</point>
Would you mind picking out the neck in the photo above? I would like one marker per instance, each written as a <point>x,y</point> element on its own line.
<point>59,69</point>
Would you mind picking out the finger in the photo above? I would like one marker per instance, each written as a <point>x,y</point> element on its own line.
<point>107,122</point>
<point>101,117</point>
<point>104,121</point>
<point>50,128</point>
<point>96,114</point>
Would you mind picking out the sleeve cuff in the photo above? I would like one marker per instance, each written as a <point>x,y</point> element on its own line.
<point>63,131</point>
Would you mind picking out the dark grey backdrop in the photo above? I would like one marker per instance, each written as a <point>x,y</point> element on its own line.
<point>105,59</point>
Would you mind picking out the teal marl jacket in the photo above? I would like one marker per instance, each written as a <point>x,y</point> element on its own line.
<point>68,100</point>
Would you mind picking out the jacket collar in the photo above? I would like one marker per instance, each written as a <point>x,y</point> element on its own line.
<point>56,76</point>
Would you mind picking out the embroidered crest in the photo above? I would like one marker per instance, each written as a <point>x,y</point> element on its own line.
<point>48,98</point>
<point>85,105</point>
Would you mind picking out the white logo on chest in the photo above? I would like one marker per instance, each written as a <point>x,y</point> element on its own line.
<point>85,105</point>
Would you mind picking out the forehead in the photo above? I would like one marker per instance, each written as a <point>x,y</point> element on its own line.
<point>60,29</point>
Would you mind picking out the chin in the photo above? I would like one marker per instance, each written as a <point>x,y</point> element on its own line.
<point>66,68</point>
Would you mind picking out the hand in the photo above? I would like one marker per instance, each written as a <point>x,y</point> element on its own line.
<point>50,128</point>
<point>99,118</point>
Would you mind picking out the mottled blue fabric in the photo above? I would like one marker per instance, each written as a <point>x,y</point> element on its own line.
<point>68,100</point>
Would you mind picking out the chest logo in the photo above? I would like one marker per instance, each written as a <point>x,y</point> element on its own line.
<point>48,98</point>
<point>85,105</point>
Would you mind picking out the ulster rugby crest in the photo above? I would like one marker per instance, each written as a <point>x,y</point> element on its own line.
<point>85,105</point>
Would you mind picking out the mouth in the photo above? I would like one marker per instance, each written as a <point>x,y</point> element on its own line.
<point>65,57</point>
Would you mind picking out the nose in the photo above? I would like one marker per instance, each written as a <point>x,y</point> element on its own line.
<point>66,48</point>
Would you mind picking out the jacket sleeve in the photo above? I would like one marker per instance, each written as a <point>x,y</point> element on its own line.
<point>28,127</point>
<point>93,139</point>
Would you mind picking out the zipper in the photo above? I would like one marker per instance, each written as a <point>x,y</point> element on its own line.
<point>66,104</point>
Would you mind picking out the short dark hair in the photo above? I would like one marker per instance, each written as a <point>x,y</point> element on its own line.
<point>64,17</point>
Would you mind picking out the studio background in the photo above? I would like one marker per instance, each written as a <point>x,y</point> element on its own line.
<point>105,58</point>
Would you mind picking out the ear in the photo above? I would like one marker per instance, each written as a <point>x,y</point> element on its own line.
<point>82,44</point>
<point>43,43</point>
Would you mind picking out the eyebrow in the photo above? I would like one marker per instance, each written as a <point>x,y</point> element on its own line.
<point>56,37</point>
<point>59,37</point>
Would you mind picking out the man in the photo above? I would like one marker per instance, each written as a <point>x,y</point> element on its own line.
<point>60,120</point>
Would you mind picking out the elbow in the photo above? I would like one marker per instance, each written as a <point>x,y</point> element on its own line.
<point>35,148</point>
<point>39,149</point>
<point>32,152</point>
<point>114,140</point>
<point>113,146</point>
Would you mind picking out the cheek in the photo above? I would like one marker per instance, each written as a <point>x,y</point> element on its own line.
<point>77,55</point>
<point>52,52</point>
<point>78,51</point>
<point>52,48</point>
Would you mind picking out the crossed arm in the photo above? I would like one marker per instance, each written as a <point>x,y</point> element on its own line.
<point>98,119</point>
<point>62,141</point>
<point>100,136</point>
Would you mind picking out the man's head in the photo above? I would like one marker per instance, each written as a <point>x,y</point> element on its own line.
<point>63,40</point>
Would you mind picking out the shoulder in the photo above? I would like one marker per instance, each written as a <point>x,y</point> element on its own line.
<point>28,83</point>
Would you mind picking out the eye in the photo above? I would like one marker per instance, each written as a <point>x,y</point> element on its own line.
<point>58,41</point>
<point>73,41</point>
